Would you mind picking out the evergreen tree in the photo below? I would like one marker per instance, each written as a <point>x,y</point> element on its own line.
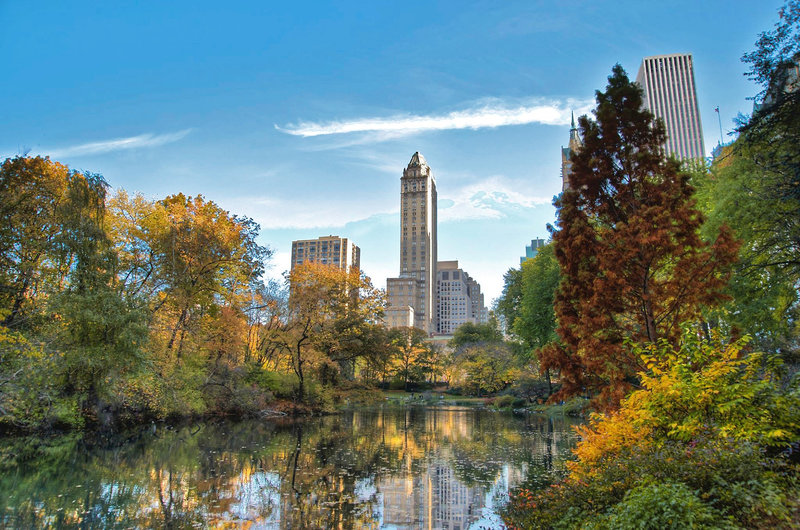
<point>633,264</point>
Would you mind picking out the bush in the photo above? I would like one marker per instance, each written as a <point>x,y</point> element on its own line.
<point>713,428</point>
<point>281,385</point>
<point>660,506</point>
<point>509,401</point>
<point>504,401</point>
<point>576,406</point>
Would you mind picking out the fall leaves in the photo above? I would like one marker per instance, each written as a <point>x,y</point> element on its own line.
<point>633,264</point>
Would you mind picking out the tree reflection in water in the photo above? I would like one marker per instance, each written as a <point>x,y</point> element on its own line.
<point>409,467</point>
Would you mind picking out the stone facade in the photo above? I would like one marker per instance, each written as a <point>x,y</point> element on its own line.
<point>417,245</point>
<point>331,250</point>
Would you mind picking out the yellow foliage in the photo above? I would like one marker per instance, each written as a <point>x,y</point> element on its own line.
<point>701,391</point>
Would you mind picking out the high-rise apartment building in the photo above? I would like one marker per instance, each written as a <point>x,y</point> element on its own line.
<point>412,295</point>
<point>670,94</point>
<point>331,250</point>
<point>458,298</point>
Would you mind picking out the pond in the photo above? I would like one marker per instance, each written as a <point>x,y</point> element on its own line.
<point>443,467</point>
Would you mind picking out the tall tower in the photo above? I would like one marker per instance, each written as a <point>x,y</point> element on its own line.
<point>566,154</point>
<point>415,288</point>
<point>670,94</point>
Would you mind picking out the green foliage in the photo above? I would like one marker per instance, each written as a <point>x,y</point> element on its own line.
<point>472,333</point>
<point>660,506</point>
<point>753,188</point>
<point>507,306</point>
<point>535,323</point>
<point>509,401</point>
<point>411,356</point>
<point>504,401</point>
<point>484,368</point>
<point>282,385</point>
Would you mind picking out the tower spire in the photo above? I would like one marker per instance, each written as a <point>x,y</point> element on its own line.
<point>573,118</point>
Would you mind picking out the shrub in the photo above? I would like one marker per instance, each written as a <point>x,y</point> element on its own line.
<point>660,506</point>
<point>713,427</point>
<point>504,401</point>
<point>281,385</point>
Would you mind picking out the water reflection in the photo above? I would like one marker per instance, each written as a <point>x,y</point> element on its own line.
<point>378,468</point>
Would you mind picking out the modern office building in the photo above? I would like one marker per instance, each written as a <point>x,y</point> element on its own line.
<point>415,287</point>
<point>670,94</point>
<point>331,250</point>
<point>567,152</point>
<point>458,298</point>
<point>533,249</point>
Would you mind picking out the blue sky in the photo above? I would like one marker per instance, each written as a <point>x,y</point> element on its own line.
<point>302,115</point>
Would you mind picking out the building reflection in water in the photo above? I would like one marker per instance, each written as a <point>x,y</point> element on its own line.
<point>441,467</point>
<point>436,499</point>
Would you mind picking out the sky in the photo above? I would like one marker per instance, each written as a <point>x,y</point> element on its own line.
<point>302,115</point>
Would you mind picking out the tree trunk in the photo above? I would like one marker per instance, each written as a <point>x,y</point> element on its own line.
<point>175,329</point>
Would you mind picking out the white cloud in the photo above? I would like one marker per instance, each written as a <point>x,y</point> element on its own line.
<point>489,198</point>
<point>120,144</point>
<point>486,113</point>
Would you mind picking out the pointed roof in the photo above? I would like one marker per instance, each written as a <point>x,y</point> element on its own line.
<point>574,137</point>
<point>417,160</point>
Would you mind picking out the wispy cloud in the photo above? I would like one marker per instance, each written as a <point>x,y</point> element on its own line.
<point>490,198</point>
<point>120,144</point>
<point>487,113</point>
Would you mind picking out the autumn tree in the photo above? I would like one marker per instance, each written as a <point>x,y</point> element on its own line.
<point>33,261</point>
<point>204,254</point>
<point>330,315</point>
<point>633,263</point>
<point>411,353</point>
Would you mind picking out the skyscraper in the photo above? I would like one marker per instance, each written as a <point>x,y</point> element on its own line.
<point>413,293</point>
<point>533,249</point>
<point>670,94</point>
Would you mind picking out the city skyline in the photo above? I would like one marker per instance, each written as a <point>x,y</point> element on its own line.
<point>301,121</point>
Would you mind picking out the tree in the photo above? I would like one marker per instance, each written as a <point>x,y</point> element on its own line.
<point>507,306</point>
<point>32,262</point>
<point>535,323</point>
<point>633,264</point>
<point>770,140</point>
<point>330,314</point>
<point>411,353</point>
<point>763,286</point>
<point>98,332</point>
<point>472,333</point>
<point>755,187</point>
<point>204,254</point>
<point>486,367</point>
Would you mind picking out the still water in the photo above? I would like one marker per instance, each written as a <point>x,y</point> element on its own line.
<point>415,467</point>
